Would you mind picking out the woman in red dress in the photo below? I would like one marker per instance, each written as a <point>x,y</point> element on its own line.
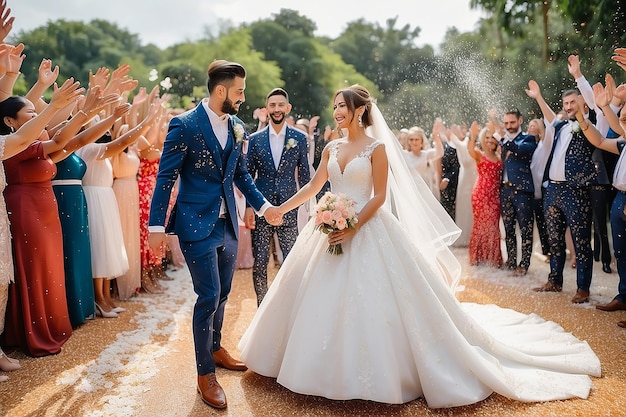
<point>484,244</point>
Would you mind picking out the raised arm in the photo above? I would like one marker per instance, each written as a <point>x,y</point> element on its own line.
<point>603,96</point>
<point>47,77</point>
<point>6,20</point>
<point>120,143</point>
<point>91,134</point>
<point>30,131</point>
<point>471,144</point>
<point>592,134</point>
<point>13,63</point>
<point>533,91</point>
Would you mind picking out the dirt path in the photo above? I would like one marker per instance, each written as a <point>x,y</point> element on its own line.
<point>142,363</point>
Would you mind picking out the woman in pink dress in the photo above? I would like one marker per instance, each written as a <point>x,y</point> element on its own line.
<point>484,244</point>
<point>125,167</point>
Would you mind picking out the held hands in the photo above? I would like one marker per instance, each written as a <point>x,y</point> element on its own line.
<point>273,216</point>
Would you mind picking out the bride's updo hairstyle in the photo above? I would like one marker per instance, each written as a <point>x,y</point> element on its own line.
<point>355,97</point>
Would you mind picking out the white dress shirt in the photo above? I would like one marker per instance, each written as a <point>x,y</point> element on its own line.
<point>277,143</point>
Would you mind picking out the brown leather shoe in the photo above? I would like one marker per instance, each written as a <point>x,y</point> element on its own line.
<point>211,391</point>
<point>614,305</point>
<point>549,287</point>
<point>580,297</point>
<point>520,271</point>
<point>223,359</point>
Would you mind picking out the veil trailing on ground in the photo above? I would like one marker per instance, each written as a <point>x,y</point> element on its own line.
<point>430,227</point>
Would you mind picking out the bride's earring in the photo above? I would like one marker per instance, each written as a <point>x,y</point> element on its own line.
<point>361,120</point>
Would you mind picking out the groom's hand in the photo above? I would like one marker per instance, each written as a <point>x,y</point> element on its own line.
<point>273,216</point>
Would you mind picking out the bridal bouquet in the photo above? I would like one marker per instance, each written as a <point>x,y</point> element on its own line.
<point>335,212</point>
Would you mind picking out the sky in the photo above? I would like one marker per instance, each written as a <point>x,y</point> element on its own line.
<point>159,22</point>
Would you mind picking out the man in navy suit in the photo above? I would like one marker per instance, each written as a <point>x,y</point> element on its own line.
<point>204,148</point>
<point>568,177</point>
<point>277,155</point>
<point>517,190</point>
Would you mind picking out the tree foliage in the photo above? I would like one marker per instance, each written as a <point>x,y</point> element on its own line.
<point>470,73</point>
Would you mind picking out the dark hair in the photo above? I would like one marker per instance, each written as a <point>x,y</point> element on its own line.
<point>221,71</point>
<point>277,92</point>
<point>569,92</point>
<point>9,108</point>
<point>514,112</point>
<point>355,97</point>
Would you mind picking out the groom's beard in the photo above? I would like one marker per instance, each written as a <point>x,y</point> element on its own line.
<point>228,107</point>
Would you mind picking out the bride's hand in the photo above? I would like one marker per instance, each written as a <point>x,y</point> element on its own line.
<point>340,236</point>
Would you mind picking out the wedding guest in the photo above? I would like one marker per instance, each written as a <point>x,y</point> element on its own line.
<point>151,259</point>
<point>12,144</point>
<point>109,259</point>
<point>421,159</point>
<point>37,318</point>
<point>569,172</point>
<point>517,191</point>
<point>537,128</point>
<point>602,193</point>
<point>72,205</point>
<point>484,244</point>
<point>602,97</point>
<point>466,180</point>
<point>277,159</point>
<point>450,168</point>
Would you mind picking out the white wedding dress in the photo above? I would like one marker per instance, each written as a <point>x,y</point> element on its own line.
<point>379,323</point>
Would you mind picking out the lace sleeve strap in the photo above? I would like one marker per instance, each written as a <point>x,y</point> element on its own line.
<point>369,149</point>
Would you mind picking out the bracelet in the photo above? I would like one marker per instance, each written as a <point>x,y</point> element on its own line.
<point>12,72</point>
<point>585,127</point>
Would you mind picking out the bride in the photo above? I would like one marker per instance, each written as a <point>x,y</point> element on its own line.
<point>380,322</point>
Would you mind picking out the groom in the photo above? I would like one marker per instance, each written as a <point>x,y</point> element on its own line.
<point>205,147</point>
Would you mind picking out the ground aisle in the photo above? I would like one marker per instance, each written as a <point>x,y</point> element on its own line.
<point>142,364</point>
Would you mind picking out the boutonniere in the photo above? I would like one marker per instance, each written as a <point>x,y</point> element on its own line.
<point>291,143</point>
<point>239,133</point>
<point>575,127</point>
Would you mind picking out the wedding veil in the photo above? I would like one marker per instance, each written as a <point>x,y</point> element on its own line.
<point>430,227</point>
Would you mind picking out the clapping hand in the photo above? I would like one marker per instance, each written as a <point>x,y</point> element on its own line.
<point>6,20</point>
<point>620,57</point>
<point>273,216</point>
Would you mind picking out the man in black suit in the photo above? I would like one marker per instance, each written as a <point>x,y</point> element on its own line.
<point>449,178</point>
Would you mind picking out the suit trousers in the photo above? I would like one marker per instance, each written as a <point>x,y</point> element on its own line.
<point>261,240</point>
<point>540,221</point>
<point>517,207</point>
<point>601,196</point>
<point>566,206</point>
<point>212,263</point>
<point>618,226</point>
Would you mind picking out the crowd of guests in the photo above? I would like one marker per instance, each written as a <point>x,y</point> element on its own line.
<point>551,178</point>
<point>79,171</point>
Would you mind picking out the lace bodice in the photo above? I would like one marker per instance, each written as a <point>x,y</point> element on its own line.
<point>356,180</point>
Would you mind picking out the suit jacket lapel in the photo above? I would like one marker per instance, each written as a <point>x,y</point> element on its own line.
<point>209,136</point>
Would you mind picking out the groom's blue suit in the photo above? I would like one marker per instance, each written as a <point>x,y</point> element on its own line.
<point>207,238</point>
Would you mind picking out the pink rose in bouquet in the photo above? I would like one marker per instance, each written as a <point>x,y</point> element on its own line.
<point>335,212</point>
